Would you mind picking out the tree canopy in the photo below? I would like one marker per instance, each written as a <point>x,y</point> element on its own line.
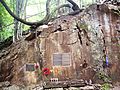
<point>18,9</point>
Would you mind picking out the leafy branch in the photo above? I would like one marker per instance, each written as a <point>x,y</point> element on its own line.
<point>48,16</point>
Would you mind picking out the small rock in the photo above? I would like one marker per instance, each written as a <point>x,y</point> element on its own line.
<point>90,81</point>
<point>0,85</point>
<point>6,83</point>
<point>87,88</point>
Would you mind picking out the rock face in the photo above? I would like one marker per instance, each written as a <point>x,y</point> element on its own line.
<point>85,46</point>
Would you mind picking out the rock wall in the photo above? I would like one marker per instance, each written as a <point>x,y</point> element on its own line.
<point>92,37</point>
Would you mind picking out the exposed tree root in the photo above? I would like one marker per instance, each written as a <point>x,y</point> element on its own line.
<point>48,16</point>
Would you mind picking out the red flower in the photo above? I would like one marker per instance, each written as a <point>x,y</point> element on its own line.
<point>46,71</point>
<point>36,65</point>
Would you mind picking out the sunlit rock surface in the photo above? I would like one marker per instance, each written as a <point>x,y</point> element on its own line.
<point>92,36</point>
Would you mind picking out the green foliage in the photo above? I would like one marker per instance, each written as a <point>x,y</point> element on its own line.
<point>106,86</point>
<point>103,76</point>
<point>5,19</point>
<point>84,26</point>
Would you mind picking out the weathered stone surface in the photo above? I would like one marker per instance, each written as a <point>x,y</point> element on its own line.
<point>91,36</point>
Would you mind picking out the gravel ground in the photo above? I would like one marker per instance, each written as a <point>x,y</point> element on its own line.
<point>116,88</point>
<point>14,87</point>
